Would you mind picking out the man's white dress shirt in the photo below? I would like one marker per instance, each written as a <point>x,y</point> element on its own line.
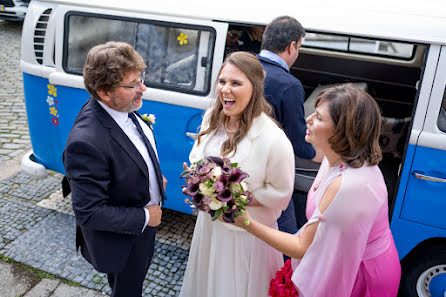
<point>129,128</point>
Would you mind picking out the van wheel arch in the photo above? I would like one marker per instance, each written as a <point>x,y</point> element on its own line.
<point>426,261</point>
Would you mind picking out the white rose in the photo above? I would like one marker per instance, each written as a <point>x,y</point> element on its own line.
<point>205,189</point>
<point>215,204</point>
<point>235,188</point>
<point>152,118</point>
<point>216,172</point>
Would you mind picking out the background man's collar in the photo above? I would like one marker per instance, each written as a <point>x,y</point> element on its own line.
<point>274,57</point>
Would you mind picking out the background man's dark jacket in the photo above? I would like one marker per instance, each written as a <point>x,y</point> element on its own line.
<point>286,94</point>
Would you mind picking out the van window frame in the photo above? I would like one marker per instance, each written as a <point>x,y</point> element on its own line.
<point>441,114</point>
<point>349,51</point>
<point>207,84</point>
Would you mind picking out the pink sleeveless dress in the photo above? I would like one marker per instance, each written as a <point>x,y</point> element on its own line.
<point>353,252</point>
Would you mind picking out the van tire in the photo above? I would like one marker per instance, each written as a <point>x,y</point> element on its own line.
<point>420,269</point>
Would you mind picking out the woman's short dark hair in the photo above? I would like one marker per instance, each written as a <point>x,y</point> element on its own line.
<point>281,32</point>
<point>357,122</point>
<point>108,63</point>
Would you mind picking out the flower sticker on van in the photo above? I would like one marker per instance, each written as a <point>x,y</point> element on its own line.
<point>52,90</point>
<point>55,121</point>
<point>182,39</point>
<point>52,104</point>
<point>53,111</point>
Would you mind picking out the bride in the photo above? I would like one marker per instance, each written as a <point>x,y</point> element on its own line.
<point>225,260</point>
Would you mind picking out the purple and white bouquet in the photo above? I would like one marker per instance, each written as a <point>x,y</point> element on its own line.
<point>215,185</point>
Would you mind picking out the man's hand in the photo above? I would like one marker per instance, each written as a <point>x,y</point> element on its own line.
<point>164,183</point>
<point>155,215</point>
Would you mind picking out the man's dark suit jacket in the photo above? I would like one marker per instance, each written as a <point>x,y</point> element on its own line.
<point>286,94</point>
<point>110,186</point>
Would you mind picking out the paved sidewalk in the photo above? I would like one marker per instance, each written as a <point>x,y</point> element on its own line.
<point>16,280</point>
<point>37,229</point>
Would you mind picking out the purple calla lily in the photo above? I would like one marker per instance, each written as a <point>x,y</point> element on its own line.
<point>197,200</point>
<point>216,160</point>
<point>225,195</point>
<point>224,179</point>
<point>226,169</point>
<point>230,204</point>
<point>192,189</point>
<point>237,176</point>
<point>228,217</point>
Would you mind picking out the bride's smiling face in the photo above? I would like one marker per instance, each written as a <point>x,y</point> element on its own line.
<point>234,90</point>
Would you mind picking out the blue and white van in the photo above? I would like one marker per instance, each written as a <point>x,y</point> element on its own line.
<point>396,53</point>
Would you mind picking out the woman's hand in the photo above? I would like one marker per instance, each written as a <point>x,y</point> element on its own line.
<point>185,166</point>
<point>240,221</point>
<point>243,221</point>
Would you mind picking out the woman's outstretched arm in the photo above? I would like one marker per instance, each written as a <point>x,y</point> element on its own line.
<point>290,244</point>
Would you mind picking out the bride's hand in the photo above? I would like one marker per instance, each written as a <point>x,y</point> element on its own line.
<point>185,166</point>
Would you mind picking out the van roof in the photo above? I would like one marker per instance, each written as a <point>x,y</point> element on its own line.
<point>423,21</point>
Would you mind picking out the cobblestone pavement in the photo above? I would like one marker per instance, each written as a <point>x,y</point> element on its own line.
<point>37,226</point>
<point>14,136</point>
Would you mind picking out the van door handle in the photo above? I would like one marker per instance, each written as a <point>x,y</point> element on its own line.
<point>192,135</point>
<point>429,178</point>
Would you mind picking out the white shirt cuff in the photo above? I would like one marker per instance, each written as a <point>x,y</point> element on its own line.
<point>146,211</point>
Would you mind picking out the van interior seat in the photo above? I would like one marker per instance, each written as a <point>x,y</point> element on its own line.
<point>309,102</point>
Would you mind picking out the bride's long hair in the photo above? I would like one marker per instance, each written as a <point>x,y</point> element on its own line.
<point>253,70</point>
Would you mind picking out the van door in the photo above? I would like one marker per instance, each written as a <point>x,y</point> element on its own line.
<point>423,211</point>
<point>425,201</point>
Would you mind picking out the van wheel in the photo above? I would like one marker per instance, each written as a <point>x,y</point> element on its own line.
<point>424,275</point>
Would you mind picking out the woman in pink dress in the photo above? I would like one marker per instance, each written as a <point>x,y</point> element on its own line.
<point>346,248</point>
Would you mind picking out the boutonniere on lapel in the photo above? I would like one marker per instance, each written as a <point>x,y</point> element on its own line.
<point>149,119</point>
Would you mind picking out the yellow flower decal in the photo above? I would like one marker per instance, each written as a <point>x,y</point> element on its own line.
<point>53,111</point>
<point>52,90</point>
<point>182,39</point>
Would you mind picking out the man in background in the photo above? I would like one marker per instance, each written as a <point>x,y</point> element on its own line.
<point>280,49</point>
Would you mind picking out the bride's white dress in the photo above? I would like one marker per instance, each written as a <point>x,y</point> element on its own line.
<point>225,260</point>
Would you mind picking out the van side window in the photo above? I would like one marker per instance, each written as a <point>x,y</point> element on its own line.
<point>372,47</point>
<point>442,115</point>
<point>177,56</point>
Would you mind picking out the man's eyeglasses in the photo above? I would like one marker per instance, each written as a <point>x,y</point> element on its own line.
<point>137,86</point>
